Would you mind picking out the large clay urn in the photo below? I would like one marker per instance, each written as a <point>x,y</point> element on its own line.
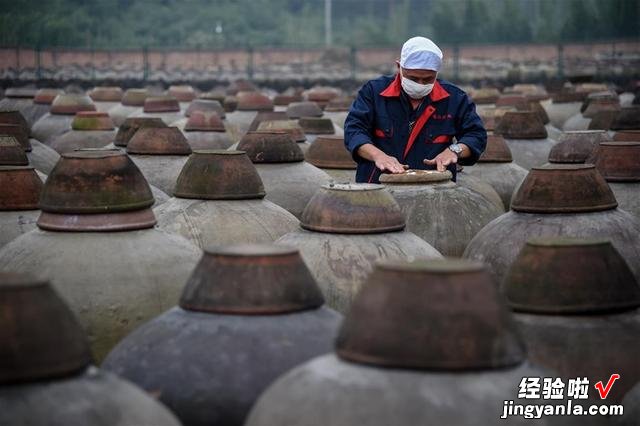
<point>441,212</point>
<point>563,106</point>
<point>288,126</point>
<point>619,164</point>
<point>315,127</point>
<point>59,118</point>
<point>329,154</point>
<point>496,167</point>
<point>160,153</point>
<point>89,129</point>
<point>595,103</point>
<point>219,200</point>
<point>577,146</point>
<point>289,181</point>
<point>526,137</point>
<point>46,376</point>
<point>297,110</point>
<point>41,104</point>
<point>248,106</point>
<point>557,200</point>
<point>166,108</point>
<point>20,189</point>
<point>576,303</point>
<point>132,102</point>
<point>106,97</point>
<point>248,314</point>
<point>43,158</point>
<point>19,99</point>
<point>206,130</point>
<point>425,343</point>
<point>130,125</point>
<point>97,243</point>
<point>345,229</point>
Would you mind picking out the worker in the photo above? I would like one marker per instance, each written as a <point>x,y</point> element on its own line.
<point>413,120</point>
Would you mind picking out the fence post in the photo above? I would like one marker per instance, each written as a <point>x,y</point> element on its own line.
<point>560,61</point>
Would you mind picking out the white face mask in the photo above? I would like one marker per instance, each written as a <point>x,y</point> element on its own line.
<point>415,90</point>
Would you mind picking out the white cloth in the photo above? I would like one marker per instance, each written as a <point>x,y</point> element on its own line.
<point>420,53</point>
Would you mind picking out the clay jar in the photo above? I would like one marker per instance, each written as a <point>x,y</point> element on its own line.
<point>88,130</point>
<point>526,137</point>
<point>58,121</point>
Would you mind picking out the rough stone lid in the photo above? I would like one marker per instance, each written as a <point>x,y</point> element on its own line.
<point>70,104</point>
<point>359,208</point>
<point>184,93</point>
<point>602,120</point>
<point>627,136</point>
<point>486,95</point>
<point>204,122</point>
<point>11,152</point>
<point>568,97</point>
<point>416,177</point>
<point>515,100</point>
<point>161,104</point>
<point>41,338</point>
<point>158,141</point>
<point>251,279</point>
<point>106,94</point>
<point>266,116</point>
<point>19,132</point>
<point>521,125</point>
<point>20,188</point>
<point>303,109</point>
<point>213,95</point>
<point>441,314</point>
<point>20,92</point>
<point>564,275</point>
<point>134,97</point>
<point>329,152</point>
<point>205,105</point>
<point>339,104</point>
<point>576,146</point>
<point>317,125</point>
<point>321,94</point>
<point>270,147</point>
<point>92,120</point>
<point>95,181</point>
<point>604,97</point>
<point>46,96</point>
<point>497,151</point>
<point>599,105</point>
<point>564,188</point>
<point>132,124</point>
<point>288,126</point>
<point>534,106</point>
<point>628,118</point>
<point>253,101</point>
<point>491,116</point>
<point>284,100</point>
<point>219,175</point>
<point>618,161</point>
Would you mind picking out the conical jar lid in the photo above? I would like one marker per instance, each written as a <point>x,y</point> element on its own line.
<point>251,279</point>
<point>627,136</point>
<point>41,338</point>
<point>97,190</point>
<point>270,147</point>
<point>70,104</point>
<point>92,121</point>
<point>20,92</point>
<point>352,209</point>
<point>497,151</point>
<point>576,146</point>
<point>158,141</point>
<point>568,97</point>
<point>184,93</point>
<point>161,104</point>
<point>329,152</point>
<point>317,125</point>
<point>416,177</point>
<point>284,100</point>
<point>20,133</point>
<point>46,96</point>
<point>134,97</point>
<point>628,118</point>
<point>442,314</point>
<point>564,188</point>
<point>288,126</point>
<point>131,125</point>
<point>342,104</point>
<point>564,275</point>
<point>521,125</point>
<point>11,152</point>
<point>20,188</point>
<point>204,105</point>
<point>618,161</point>
<point>266,116</point>
<point>106,94</point>
<point>201,121</point>
<point>219,175</point>
<point>303,109</point>
<point>486,95</point>
<point>253,101</point>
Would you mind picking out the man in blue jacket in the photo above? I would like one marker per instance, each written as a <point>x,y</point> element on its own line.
<point>411,120</point>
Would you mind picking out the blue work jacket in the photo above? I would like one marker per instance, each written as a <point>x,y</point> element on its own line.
<point>382,115</point>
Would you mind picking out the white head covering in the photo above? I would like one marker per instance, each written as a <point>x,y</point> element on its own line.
<point>420,53</point>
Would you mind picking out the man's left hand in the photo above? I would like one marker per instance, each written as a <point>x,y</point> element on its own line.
<point>442,160</point>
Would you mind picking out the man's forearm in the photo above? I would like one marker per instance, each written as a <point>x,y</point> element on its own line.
<point>370,152</point>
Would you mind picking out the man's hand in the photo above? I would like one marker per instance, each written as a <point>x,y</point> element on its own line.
<point>384,162</point>
<point>442,160</point>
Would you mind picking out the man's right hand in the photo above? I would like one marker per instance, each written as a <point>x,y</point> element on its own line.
<point>384,162</point>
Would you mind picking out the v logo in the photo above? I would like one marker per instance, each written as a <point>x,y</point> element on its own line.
<point>605,391</point>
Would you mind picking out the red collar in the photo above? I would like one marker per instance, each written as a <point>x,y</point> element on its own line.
<point>393,90</point>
